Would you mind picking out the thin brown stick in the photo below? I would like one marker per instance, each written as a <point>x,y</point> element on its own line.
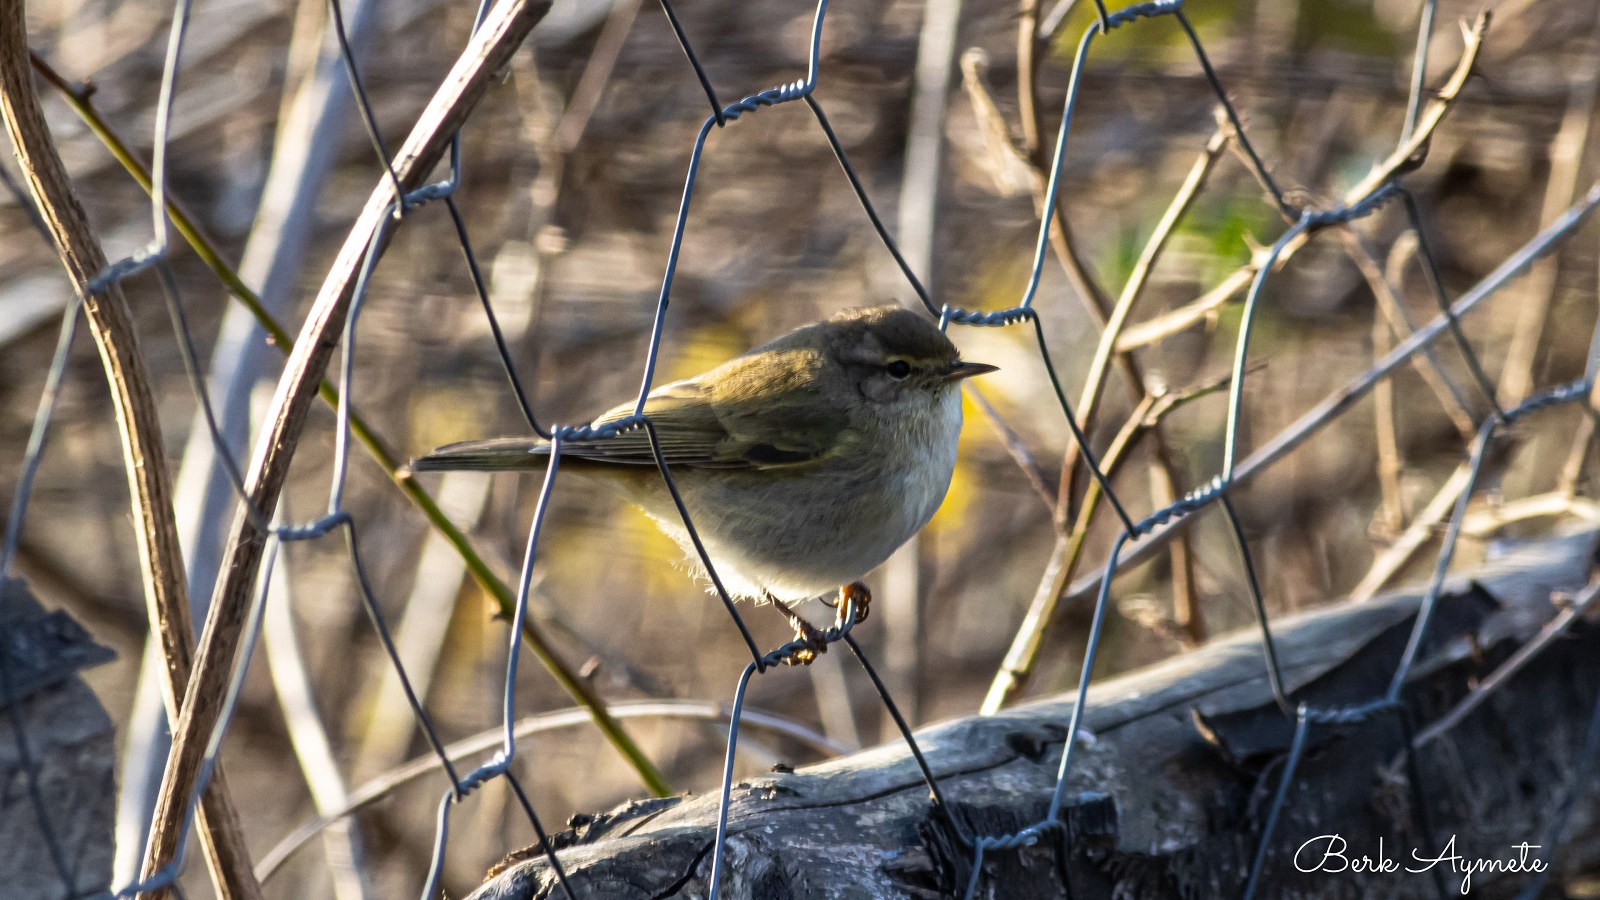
<point>1008,167</point>
<point>1202,308</point>
<point>490,49</point>
<point>1014,671</point>
<point>1391,516</point>
<point>1486,523</point>
<point>1572,469</point>
<point>144,458</point>
<point>1097,302</point>
<point>1425,363</point>
<point>1392,511</point>
<point>1100,363</point>
<point>1408,156</point>
<point>1023,655</point>
<point>596,74</point>
<point>1029,43</point>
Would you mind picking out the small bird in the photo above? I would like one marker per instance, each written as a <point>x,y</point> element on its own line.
<point>803,463</point>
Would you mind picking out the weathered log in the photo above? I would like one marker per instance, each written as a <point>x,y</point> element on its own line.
<point>57,750</point>
<point>1173,780</point>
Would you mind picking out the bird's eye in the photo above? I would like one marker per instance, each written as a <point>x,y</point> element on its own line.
<point>898,369</point>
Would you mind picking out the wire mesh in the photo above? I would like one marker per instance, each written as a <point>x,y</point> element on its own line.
<point>1303,223</point>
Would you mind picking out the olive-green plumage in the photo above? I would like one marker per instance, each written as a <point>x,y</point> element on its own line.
<point>804,463</point>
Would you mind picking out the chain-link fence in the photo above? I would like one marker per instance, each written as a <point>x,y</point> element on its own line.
<point>205,679</point>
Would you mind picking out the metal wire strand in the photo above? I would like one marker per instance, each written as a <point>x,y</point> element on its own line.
<point>867,207</point>
<point>368,119</point>
<point>1430,268</point>
<point>157,248</point>
<point>935,794</point>
<point>500,346</point>
<point>1258,167</point>
<point>1291,764</point>
<point>39,434</point>
<point>771,97</point>
<point>197,384</point>
<point>694,62</point>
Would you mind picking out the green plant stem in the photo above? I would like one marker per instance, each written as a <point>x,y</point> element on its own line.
<point>79,99</point>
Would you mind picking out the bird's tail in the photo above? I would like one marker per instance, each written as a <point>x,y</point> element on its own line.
<point>491,455</point>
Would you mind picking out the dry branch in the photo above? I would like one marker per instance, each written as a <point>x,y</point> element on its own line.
<point>144,459</point>
<point>491,47</point>
<point>1173,777</point>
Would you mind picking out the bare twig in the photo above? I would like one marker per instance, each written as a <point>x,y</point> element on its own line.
<point>1097,303</point>
<point>305,149</point>
<point>1007,167</point>
<point>1572,469</point>
<point>1100,364</point>
<point>596,74</point>
<point>1029,45</point>
<point>1399,324</point>
<point>1421,530</point>
<point>1014,671</point>
<point>1391,516</point>
<point>1486,522</point>
<point>1036,477</point>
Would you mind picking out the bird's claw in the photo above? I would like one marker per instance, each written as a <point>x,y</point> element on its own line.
<point>857,594</point>
<point>812,641</point>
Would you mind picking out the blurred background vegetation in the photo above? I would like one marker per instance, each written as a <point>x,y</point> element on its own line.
<point>573,171</point>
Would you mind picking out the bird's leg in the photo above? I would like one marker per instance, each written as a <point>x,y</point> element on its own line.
<point>804,631</point>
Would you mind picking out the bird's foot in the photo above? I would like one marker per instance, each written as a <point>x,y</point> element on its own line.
<point>857,594</point>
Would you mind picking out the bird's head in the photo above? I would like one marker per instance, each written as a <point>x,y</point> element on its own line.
<point>894,355</point>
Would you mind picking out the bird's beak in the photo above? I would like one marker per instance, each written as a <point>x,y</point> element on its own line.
<point>961,369</point>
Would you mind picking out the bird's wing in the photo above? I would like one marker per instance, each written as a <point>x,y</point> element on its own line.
<point>686,427</point>
<point>749,421</point>
<point>697,429</point>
